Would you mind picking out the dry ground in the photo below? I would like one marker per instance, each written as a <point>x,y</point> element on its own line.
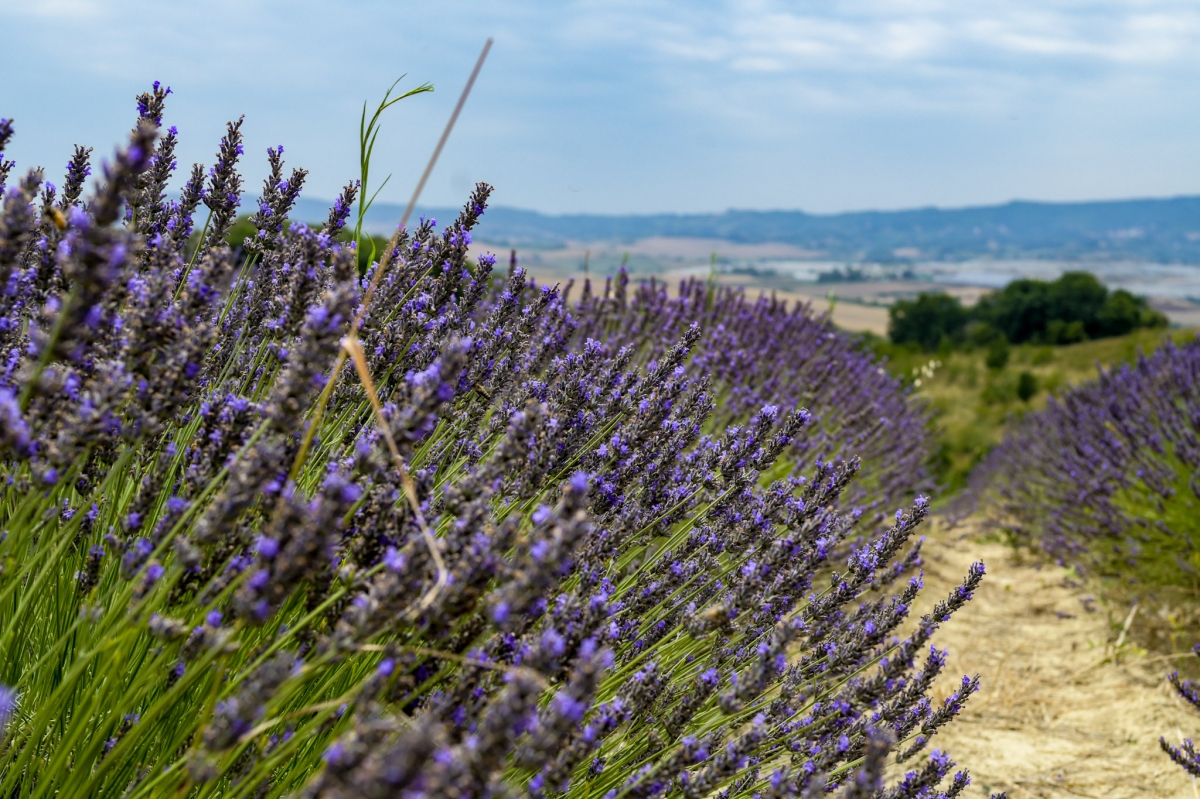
<point>1061,711</point>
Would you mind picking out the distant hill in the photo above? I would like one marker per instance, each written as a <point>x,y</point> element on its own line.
<point>1156,230</point>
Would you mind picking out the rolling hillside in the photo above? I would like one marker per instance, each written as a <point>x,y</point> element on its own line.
<point>1155,230</point>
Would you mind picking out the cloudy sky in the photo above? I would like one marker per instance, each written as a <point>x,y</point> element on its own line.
<point>618,106</point>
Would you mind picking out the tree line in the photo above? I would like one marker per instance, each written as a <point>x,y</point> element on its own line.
<point>1075,307</point>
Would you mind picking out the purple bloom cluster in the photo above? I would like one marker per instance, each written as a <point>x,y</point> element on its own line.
<point>1185,754</point>
<point>514,546</point>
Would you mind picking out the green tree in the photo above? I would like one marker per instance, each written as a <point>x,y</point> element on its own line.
<point>1124,312</point>
<point>927,320</point>
<point>1073,308</point>
<point>1077,297</point>
<point>1019,310</point>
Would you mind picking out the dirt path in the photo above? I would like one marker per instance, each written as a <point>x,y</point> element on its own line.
<point>1056,715</point>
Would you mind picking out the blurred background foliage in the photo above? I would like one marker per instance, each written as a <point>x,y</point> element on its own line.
<point>1076,307</point>
<point>976,393</point>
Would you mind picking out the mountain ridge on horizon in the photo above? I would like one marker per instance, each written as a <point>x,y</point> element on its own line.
<point>1159,230</point>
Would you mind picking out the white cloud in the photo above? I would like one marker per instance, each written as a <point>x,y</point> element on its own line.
<point>747,61</point>
<point>884,32</point>
<point>636,93</point>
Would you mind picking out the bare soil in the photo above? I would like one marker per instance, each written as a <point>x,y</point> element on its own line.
<point>1067,707</point>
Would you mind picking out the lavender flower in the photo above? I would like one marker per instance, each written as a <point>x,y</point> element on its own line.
<point>6,134</point>
<point>224,193</point>
<point>340,211</point>
<point>78,171</point>
<point>1185,754</point>
<point>8,706</point>
<point>276,201</point>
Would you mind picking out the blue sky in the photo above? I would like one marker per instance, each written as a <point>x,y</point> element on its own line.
<point>647,106</point>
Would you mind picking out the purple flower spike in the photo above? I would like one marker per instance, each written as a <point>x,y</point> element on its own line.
<point>8,705</point>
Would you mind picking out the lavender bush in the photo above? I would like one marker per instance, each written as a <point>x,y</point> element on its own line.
<point>767,353</point>
<point>1105,478</point>
<point>478,558</point>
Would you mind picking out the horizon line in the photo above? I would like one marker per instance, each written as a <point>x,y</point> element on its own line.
<point>733,210</point>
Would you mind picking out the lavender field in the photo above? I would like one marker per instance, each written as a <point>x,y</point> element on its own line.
<point>275,528</point>
<point>743,399</point>
<point>303,513</point>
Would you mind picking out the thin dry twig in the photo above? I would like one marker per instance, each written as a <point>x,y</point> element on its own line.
<point>1125,627</point>
<point>351,346</point>
<point>351,349</point>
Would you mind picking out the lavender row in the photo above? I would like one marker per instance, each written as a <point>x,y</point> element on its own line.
<point>1107,479</point>
<point>1103,477</point>
<point>765,352</point>
<point>481,555</point>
